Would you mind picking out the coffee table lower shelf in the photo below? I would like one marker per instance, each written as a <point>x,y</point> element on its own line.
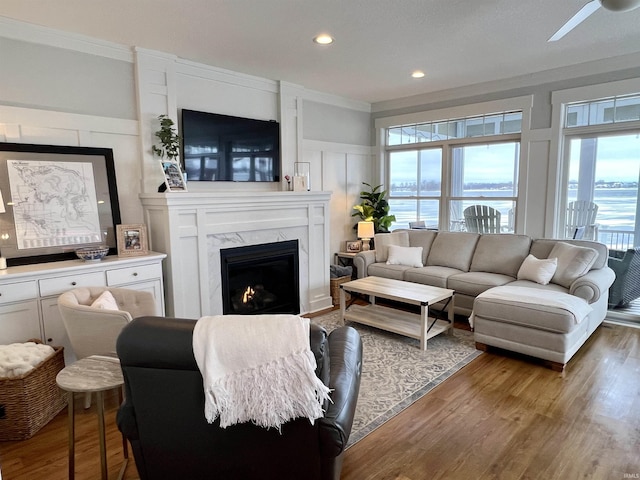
<point>395,321</point>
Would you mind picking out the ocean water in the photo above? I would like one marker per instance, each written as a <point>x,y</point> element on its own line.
<point>616,209</point>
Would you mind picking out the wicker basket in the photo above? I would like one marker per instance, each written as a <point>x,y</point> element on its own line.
<point>30,401</point>
<point>335,288</point>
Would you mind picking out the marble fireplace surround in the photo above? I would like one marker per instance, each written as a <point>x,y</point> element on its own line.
<point>192,228</point>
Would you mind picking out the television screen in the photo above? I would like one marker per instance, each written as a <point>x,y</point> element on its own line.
<point>231,149</point>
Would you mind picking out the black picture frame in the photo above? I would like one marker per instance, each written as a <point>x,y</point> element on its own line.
<point>55,187</point>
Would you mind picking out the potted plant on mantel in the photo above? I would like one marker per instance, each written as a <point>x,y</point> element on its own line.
<point>168,150</point>
<point>374,208</point>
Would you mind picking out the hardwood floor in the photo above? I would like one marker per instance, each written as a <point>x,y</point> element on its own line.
<point>501,417</point>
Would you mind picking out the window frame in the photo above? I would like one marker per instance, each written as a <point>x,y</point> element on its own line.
<point>560,135</point>
<point>446,189</point>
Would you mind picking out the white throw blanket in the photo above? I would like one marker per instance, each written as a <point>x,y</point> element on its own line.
<point>17,359</point>
<point>577,306</point>
<point>257,368</point>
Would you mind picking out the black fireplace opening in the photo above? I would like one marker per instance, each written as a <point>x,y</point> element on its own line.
<point>259,279</point>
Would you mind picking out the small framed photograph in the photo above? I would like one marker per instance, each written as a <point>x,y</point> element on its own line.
<point>354,246</point>
<point>173,177</point>
<point>132,240</point>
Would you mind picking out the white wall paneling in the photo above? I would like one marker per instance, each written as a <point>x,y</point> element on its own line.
<point>25,125</point>
<point>340,169</point>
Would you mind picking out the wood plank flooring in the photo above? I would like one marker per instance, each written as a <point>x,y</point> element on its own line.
<point>501,417</point>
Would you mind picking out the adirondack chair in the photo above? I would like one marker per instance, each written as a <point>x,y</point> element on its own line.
<point>582,213</point>
<point>482,219</point>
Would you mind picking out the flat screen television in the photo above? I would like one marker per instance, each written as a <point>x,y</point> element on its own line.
<point>224,148</point>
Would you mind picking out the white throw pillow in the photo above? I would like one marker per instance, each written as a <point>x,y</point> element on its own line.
<point>409,256</point>
<point>383,240</point>
<point>105,301</point>
<point>539,270</point>
<point>573,262</point>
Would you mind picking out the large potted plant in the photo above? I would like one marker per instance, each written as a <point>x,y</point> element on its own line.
<point>374,208</point>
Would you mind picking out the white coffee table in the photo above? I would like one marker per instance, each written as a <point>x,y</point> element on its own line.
<point>394,320</point>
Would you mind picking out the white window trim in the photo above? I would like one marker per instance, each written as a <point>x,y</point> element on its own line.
<point>558,159</point>
<point>523,104</point>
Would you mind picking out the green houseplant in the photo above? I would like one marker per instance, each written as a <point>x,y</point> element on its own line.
<point>374,208</point>
<point>169,145</point>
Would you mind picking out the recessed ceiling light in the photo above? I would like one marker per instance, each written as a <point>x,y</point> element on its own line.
<point>418,74</point>
<point>323,39</point>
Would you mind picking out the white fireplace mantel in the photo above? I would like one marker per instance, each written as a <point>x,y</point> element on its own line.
<point>192,228</point>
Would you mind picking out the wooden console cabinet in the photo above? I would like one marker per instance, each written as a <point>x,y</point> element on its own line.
<point>29,293</point>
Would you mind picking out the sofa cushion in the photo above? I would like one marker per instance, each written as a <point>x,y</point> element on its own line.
<point>474,283</point>
<point>453,249</point>
<point>533,308</point>
<point>434,276</point>
<point>541,248</point>
<point>383,240</point>
<point>388,271</point>
<point>573,262</point>
<point>409,256</point>
<point>500,253</point>
<point>424,239</point>
<point>539,270</point>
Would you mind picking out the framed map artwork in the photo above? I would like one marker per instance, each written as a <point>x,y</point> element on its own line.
<point>57,199</point>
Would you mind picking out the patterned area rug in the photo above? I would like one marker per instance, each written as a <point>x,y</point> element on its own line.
<point>396,373</point>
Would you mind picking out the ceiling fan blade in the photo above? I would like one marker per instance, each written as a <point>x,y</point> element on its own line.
<point>576,20</point>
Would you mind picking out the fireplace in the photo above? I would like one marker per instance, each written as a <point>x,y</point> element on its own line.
<point>259,279</point>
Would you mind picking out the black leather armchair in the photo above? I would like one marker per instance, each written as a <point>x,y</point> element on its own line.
<point>163,413</point>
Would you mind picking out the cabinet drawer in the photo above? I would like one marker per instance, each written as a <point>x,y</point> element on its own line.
<point>15,292</point>
<point>140,273</point>
<point>58,285</point>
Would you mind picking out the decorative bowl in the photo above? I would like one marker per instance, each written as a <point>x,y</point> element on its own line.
<point>92,254</point>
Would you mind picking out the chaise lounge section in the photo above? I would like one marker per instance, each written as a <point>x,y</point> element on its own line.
<point>561,286</point>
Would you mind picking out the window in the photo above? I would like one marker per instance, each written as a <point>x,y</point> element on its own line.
<point>476,126</point>
<point>623,108</point>
<point>475,159</point>
<point>604,169</point>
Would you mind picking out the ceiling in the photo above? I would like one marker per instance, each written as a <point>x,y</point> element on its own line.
<point>378,42</point>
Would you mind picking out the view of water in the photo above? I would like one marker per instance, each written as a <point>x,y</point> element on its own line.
<point>616,209</point>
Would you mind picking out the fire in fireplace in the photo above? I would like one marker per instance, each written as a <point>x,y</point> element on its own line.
<point>261,279</point>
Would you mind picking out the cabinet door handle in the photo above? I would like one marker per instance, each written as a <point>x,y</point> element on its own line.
<point>135,274</point>
<point>73,284</point>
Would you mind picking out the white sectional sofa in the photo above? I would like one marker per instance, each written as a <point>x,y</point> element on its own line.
<point>533,304</point>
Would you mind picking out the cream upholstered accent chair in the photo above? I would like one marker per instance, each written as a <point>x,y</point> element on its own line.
<point>93,330</point>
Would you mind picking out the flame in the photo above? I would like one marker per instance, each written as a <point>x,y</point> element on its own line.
<point>248,295</point>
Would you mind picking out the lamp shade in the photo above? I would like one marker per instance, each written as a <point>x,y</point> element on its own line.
<point>365,230</point>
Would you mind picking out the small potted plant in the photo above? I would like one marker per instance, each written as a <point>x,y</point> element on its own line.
<point>168,149</point>
<point>169,146</point>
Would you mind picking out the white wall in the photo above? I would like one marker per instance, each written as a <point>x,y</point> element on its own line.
<point>66,89</point>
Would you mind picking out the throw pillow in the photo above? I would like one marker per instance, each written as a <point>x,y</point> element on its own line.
<point>573,262</point>
<point>539,270</point>
<point>409,256</point>
<point>383,240</point>
<point>105,301</point>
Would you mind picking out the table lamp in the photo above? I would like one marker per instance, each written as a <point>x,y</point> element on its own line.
<point>365,233</point>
